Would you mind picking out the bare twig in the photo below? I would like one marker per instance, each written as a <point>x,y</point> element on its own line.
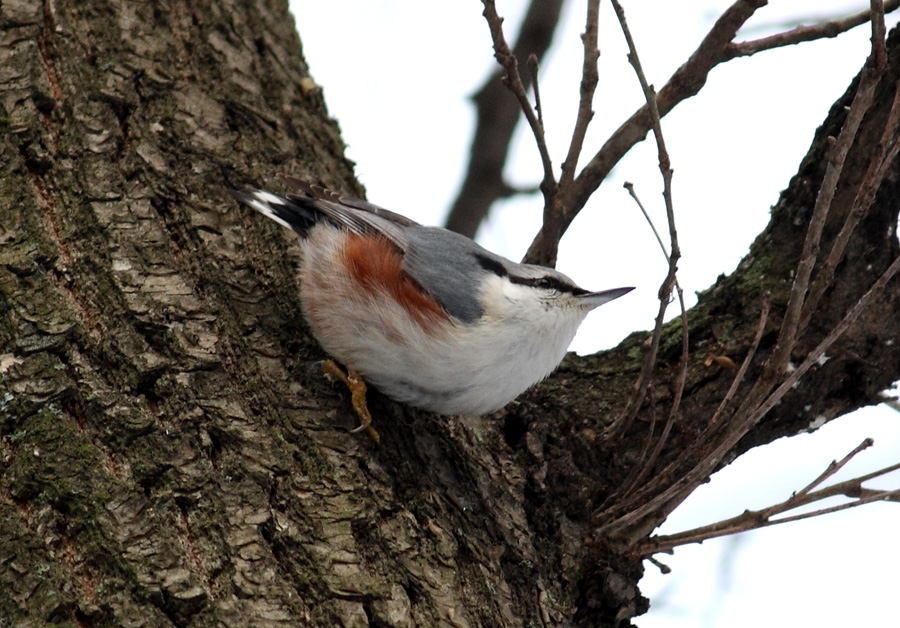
<point>864,198</point>
<point>514,82</point>
<point>623,422</point>
<point>834,467</point>
<point>679,391</point>
<point>639,519</point>
<point>630,187</point>
<point>533,66</point>
<point>663,568</point>
<point>497,116</point>
<point>672,484</point>
<point>483,183</point>
<point>645,464</point>
<point>644,380</point>
<point>589,80</point>
<point>686,82</point>
<point>712,429</point>
<point>763,317</point>
<point>801,34</point>
<point>670,281</point>
<point>838,152</point>
<point>752,520</point>
<point>882,156</point>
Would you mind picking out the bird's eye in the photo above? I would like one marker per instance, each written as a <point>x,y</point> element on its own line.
<point>544,283</point>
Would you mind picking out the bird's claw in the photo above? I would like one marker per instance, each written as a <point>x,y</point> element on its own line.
<point>357,387</point>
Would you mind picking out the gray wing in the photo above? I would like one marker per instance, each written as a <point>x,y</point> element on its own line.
<point>355,214</point>
<point>447,265</point>
<point>451,268</point>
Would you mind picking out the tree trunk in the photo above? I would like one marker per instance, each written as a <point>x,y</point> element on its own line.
<point>168,458</point>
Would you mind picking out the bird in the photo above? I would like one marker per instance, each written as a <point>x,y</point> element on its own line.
<point>427,316</point>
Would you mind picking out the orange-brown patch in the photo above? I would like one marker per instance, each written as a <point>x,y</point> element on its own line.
<point>378,267</point>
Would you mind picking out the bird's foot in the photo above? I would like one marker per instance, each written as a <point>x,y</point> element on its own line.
<point>357,388</point>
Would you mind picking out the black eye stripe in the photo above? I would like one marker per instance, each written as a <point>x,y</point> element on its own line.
<point>548,283</point>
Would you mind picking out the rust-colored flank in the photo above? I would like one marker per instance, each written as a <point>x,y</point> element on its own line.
<point>378,267</point>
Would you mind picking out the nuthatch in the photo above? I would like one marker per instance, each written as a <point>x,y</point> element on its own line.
<point>425,315</point>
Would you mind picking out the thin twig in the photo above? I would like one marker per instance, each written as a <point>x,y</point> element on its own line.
<point>732,390</point>
<point>838,152</point>
<point>874,474</point>
<point>752,520</point>
<point>644,464</point>
<point>686,82</point>
<point>883,155</point>
<point>630,187</point>
<point>533,66</point>
<point>746,523</point>
<point>679,391</point>
<point>589,80</point>
<point>514,82</point>
<point>663,568</point>
<point>670,282</point>
<point>717,47</point>
<point>642,517</point>
<point>801,34</point>
<point>834,467</point>
<point>496,118</point>
<point>712,429</point>
<point>624,420</point>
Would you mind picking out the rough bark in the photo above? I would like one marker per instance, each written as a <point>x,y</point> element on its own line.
<point>167,457</point>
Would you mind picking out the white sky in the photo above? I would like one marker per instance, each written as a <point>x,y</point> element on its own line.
<point>397,77</point>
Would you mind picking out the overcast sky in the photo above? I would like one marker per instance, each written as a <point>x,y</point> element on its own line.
<point>397,75</point>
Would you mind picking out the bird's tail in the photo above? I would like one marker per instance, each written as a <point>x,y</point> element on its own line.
<point>287,212</point>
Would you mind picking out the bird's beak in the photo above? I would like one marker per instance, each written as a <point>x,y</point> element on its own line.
<point>596,299</point>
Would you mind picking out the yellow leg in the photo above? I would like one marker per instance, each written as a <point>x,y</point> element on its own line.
<point>357,396</point>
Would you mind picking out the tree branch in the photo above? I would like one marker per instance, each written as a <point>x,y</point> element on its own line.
<point>589,80</point>
<point>640,520</point>
<point>865,93</point>
<point>514,82</point>
<point>686,82</point>
<point>756,519</point>
<point>801,34</point>
<point>497,116</point>
<point>670,282</point>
